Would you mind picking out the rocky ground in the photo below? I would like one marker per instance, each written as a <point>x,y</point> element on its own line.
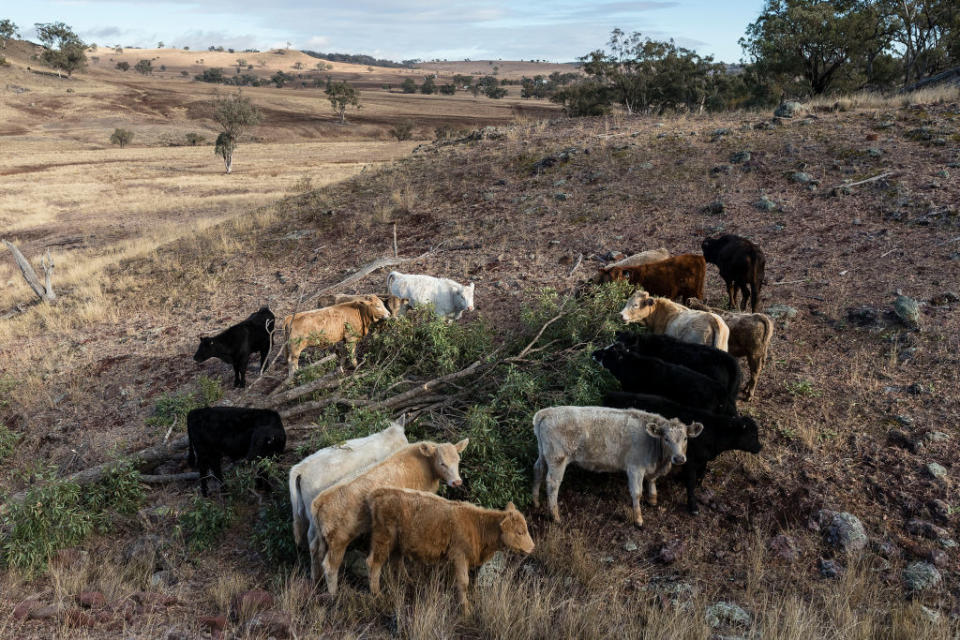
<point>854,492</point>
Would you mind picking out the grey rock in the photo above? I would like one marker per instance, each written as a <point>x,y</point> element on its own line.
<point>671,552</point>
<point>829,568</point>
<point>727,613</point>
<point>781,311</point>
<point>489,196</point>
<point>846,533</point>
<point>719,133</point>
<point>491,572</point>
<point>886,549</point>
<point>932,615</point>
<point>920,576</point>
<point>935,470</point>
<point>740,156</point>
<point>630,545</point>
<point>766,204</point>
<point>907,310</point>
<point>947,297</point>
<point>936,436</point>
<point>939,509</point>
<point>645,165</point>
<point>801,177</point>
<point>939,141</point>
<point>939,558</point>
<point>788,109</point>
<point>721,168</point>
<point>560,182</point>
<point>144,550</point>
<point>918,527</point>
<point>156,515</point>
<point>886,124</point>
<point>947,543</point>
<point>716,207</point>
<point>873,152</point>
<point>561,196</point>
<point>163,578</point>
<point>784,547</point>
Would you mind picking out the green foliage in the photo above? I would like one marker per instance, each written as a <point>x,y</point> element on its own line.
<point>447,89</point>
<point>8,441</point>
<point>587,98</point>
<point>7,384</point>
<point>409,86</point>
<point>57,514</point>
<point>403,130</point>
<point>122,137</point>
<point>63,49</point>
<point>495,93</point>
<point>273,529</point>
<point>341,96</point>
<point>8,30</point>
<point>193,139</point>
<point>429,86</point>
<point>801,388</point>
<point>202,523</point>
<point>144,67</point>
<point>172,408</point>
<point>235,114</point>
<point>214,75</point>
<point>280,78</point>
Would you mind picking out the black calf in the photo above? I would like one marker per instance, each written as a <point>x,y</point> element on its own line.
<point>235,345</point>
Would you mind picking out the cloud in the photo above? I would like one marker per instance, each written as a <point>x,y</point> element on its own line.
<point>316,43</point>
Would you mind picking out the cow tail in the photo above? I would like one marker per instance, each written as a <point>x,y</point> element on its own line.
<point>720,341</point>
<point>390,279</point>
<point>191,454</point>
<point>299,510</point>
<point>767,333</point>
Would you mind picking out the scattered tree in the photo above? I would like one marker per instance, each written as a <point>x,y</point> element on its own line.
<point>160,45</point>
<point>342,95</point>
<point>8,31</point>
<point>123,65</point>
<point>409,86</point>
<point>214,75</point>
<point>298,65</point>
<point>403,130</point>
<point>495,92</point>
<point>193,139</point>
<point>63,49</point>
<point>144,67</point>
<point>448,89</point>
<point>241,63</point>
<point>280,78</point>
<point>121,137</point>
<point>235,114</point>
<point>429,86</point>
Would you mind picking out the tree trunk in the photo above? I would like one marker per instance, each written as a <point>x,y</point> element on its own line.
<point>45,293</point>
<point>228,161</point>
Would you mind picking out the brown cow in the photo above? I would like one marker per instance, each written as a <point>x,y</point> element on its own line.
<point>396,306</point>
<point>341,511</point>
<point>750,335</point>
<point>432,528</point>
<point>674,277</point>
<point>327,326</point>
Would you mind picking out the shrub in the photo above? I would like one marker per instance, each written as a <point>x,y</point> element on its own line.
<point>214,75</point>
<point>193,139</point>
<point>172,408</point>
<point>403,130</point>
<point>144,67</point>
<point>409,86</point>
<point>202,522</point>
<point>123,66</point>
<point>8,441</point>
<point>122,137</point>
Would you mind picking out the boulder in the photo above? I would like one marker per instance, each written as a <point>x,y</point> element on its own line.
<point>935,470</point>
<point>270,624</point>
<point>727,613</point>
<point>491,571</point>
<point>920,576</point>
<point>908,310</point>
<point>846,533</point>
<point>788,109</point>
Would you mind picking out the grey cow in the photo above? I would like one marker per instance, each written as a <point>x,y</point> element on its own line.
<point>645,445</point>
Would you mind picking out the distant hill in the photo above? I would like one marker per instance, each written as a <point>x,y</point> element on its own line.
<point>359,58</point>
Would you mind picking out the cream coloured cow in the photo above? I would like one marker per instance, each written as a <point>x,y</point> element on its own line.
<point>666,317</point>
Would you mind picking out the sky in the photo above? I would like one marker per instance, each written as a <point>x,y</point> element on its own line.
<point>554,30</point>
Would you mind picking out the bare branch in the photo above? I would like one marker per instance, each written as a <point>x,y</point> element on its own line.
<point>366,270</point>
<point>172,477</point>
<point>44,293</point>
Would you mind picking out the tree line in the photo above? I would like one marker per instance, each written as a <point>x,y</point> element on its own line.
<point>794,49</point>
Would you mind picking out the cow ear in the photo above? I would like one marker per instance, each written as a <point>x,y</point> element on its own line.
<point>462,444</point>
<point>694,430</point>
<point>427,449</point>
<point>511,506</point>
<point>653,429</point>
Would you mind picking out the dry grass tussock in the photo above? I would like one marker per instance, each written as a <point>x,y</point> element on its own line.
<point>939,94</point>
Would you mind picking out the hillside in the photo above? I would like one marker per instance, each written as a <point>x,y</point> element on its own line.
<point>510,69</point>
<point>858,412</point>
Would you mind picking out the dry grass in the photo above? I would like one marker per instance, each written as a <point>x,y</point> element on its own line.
<point>873,100</point>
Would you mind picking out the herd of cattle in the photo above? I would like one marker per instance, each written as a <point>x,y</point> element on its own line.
<point>680,384</point>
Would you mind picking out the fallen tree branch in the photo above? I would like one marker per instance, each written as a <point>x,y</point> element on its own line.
<point>326,381</point>
<point>576,266</point>
<point>170,477</point>
<point>43,291</point>
<point>364,271</point>
<point>847,185</point>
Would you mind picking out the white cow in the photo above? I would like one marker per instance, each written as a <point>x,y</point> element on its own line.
<point>329,466</point>
<point>645,445</point>
<point>449,298</point>
<point>666,317</point>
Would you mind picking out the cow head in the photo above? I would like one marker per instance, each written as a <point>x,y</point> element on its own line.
<point>711,248</point>
<point>464,297</point>
<point>372,309</point>
<point>206,350</point>
<point>638,307</point>
<point>445,460</point>
<point>513,530</point>
<point>396,306</point>
<point>748,434</point>
<point>673,435</point>
<point>274,444</point>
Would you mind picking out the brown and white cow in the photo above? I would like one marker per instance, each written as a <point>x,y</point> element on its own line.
<point>750,335</point>
<point>666,317</point>
<point>341,511</point>
<point>432,528</point>
<point>645,445</point>
<point>330,325</point>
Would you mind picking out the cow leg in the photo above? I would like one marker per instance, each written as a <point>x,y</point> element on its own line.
<point>650,491</point>
<point>554,478</point>
<point>732,294</point>
<point>756,365</point>
<point>293,359</point>
<point>462,570</point>
<point>381,544</point>
<point>217,470</point>
<point>539,471</point>
<point>331,563</point>
<point>635,482</point>
<point>318,549</point>
<point>745,292</point>
<point>263,360</point>
<point>203,468</point>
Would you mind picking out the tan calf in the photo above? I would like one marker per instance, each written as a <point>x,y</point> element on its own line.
<point>750,335</point>
<point>431,529</point>
<point>396,306</point>
<point>341,511</point>
<point>666,317</point>
<point>327,326</point>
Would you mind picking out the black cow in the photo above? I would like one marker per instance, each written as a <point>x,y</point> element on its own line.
<point>741,263</point>
<point>720,433</point>
<point>235,345</point>
<point>714,363</point>
<point>643,374</point>
<point>235,432</point>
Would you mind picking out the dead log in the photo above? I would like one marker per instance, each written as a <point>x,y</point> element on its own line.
<point>171,477</point>
<point>43,291</point>
<point>364,271</point>
<point>327,381</point>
